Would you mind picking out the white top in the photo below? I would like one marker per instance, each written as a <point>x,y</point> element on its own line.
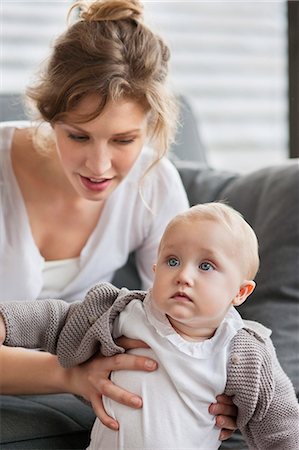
<point>176,396</point>
<point>59,273</point>
<point>126,224</point>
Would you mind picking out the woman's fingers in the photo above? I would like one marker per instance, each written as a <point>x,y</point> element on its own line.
<point>127,362</point>
<point>97,405</point>
<point>120,395</point>
<point>98,377</point>
<point>91,381</point>
<point>224,407</point>
<point>225,434</point>
<point>128,343</point>
<point>2,330</point>
<point>226,422</point>
<point>226,399</point>
<point>104,385</point>
<point>228,426</point>
<point>224,410</point>
<point>226,414</point>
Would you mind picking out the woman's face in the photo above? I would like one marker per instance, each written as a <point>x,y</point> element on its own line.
<point>97,155</point>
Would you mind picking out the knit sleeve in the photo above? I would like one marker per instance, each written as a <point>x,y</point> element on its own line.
<point>89,328</point>
<point>35,324</point>
<point>268,412</point>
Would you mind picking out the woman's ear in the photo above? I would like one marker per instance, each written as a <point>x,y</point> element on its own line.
<point>154,267</point>
<point>246,289</point>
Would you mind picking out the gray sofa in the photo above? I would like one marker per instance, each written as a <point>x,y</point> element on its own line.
<point>269,200</point>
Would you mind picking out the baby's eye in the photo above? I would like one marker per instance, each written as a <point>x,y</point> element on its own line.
<point>206,266</point>
<point>173,262</point>
<point>78,137</point>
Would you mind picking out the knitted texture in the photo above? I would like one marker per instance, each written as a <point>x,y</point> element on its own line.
<point>268,413</point>
<point>88,329</point>
<point>34,324</point>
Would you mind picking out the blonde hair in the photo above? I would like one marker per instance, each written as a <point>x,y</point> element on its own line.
<point>243,236</point>
<point>108,51</point>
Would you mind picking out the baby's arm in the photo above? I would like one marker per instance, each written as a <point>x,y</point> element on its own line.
<point>268,411</point>
<point>35,324</point>
<point>88,329</point>
<point>276,427</point>
<point>38,324</point>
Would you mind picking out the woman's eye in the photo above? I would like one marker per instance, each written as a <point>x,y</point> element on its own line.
<point>206,266</point>
<point>77,137</point>
<point>173,262</point>
<point>124,141</point>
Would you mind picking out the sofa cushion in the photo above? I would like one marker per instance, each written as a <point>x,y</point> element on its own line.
<point>45,422</point>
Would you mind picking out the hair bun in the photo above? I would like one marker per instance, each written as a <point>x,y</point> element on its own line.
<point>100,10</point>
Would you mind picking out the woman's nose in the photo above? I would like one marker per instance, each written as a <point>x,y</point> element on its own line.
<point>98,159</point>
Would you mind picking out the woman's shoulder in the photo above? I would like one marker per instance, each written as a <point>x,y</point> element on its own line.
<point>9,130</point>
<point>159,174</point>
<point>159,185</point>
<point>15,124</point>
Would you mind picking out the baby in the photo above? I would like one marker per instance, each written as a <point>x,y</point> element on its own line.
<point>207,260</point>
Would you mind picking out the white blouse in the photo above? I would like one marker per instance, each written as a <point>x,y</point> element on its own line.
<point>59,273</point>
<point>126,224</point>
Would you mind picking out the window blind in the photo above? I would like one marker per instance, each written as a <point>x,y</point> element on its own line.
<point>229,59</point>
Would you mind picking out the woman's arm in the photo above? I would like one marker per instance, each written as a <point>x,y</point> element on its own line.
<point>33,372</point>
<point>30,372</point>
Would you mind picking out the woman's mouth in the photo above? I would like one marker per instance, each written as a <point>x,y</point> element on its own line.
<point>96,184</point>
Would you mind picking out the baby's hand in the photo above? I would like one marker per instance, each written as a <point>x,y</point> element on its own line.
<point>2,330</point>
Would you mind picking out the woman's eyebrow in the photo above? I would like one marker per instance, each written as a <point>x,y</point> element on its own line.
<point>82,130</point>
<point>135,130</point>
<point>76,127</point>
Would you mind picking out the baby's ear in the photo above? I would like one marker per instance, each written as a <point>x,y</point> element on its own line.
<point>154,267</point>
<point>246,289</point>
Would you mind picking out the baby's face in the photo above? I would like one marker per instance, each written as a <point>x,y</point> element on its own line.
<point>197,275</point>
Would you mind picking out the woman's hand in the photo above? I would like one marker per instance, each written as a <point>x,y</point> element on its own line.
<point>2,330</point>
<point>226,414</point>
<point>91,380</point>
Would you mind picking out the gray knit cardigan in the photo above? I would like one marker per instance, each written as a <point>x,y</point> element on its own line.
<point>268,412</point>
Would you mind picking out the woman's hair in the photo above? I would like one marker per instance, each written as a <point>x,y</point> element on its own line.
<point>108,51</point>
<point>243,238</point>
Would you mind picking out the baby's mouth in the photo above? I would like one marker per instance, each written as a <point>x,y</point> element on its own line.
<point>181,296</point>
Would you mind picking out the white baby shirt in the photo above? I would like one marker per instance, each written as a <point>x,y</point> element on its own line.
<point>176,396</point>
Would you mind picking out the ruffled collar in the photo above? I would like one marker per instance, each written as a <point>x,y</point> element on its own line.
<point>230,325</point>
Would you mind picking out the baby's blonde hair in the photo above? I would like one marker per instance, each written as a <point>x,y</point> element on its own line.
<point>243,236</point>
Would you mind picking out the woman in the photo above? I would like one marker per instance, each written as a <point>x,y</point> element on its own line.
<point>79,194</point>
